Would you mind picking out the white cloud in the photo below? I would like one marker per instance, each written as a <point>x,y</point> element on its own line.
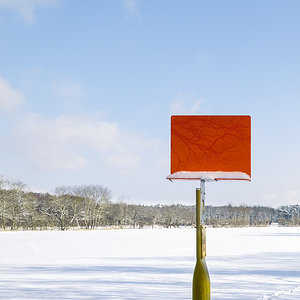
<point>187,105</point>
<point>69,92</point>
<point>123,161</point>
<point>10,99</point>
<point>271,199</point>
<point>132,8</point>
<point>26,8</point>
<point>292,196</point>
<point>67,88</point>
<point>71,142</point>
<point>74,148</point>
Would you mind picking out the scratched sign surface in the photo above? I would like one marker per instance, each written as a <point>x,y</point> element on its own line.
<point>210,147</point>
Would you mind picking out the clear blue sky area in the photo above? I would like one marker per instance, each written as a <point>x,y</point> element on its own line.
<point>87,89</point>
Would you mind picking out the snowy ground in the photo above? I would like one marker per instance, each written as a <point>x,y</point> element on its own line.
<point>251,263</point>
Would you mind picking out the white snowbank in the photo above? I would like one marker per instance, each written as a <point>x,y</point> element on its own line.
<point>244,264</point>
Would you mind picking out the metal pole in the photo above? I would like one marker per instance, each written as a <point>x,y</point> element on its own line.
<point>201,281</point>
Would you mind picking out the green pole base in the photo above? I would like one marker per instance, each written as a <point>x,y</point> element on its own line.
<point>201,281</point>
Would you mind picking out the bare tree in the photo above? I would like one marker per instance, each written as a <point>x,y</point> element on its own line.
<point>61,205</point>
<point>15,203</point>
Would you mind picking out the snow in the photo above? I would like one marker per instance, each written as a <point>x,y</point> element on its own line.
<point>244,263</point>
<point>209,176</point>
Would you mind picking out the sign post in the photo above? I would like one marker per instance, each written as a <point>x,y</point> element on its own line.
<point>208,148</point>
<point>201,281</point>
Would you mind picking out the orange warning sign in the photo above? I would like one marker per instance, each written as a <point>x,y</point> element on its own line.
<point>210,147</point>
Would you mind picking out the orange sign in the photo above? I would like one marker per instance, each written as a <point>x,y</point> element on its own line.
<point>211,147</point>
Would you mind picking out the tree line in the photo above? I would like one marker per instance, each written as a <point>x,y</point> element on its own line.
<point>90,207</point>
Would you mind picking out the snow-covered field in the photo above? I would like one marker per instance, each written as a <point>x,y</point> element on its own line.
<point>249,263</point>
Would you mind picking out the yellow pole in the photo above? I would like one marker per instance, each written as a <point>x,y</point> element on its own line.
<point>201,281</point>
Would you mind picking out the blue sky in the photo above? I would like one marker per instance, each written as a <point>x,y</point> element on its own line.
<point>87,89</point>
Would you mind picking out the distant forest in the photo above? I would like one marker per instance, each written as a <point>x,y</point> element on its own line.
<point>90,207</point>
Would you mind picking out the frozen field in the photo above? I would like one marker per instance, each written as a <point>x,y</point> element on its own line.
<point>250,263</point>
